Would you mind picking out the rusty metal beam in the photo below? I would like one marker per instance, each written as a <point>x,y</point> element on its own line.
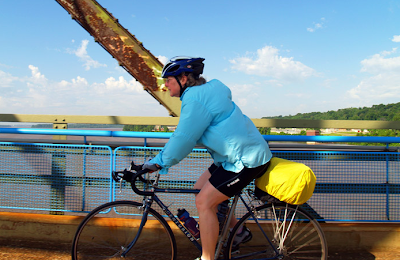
<point>124,47</point>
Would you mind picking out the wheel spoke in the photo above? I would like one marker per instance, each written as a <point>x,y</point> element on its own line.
<point>108,231</point>
<point>291,232</point>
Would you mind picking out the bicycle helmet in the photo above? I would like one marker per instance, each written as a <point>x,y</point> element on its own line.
<point>179,64</point>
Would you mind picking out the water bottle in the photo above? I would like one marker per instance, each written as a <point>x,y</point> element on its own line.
<point>221,214</point>
<point>189,222</point>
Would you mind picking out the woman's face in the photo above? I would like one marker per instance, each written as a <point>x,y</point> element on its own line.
<point>173,86</point>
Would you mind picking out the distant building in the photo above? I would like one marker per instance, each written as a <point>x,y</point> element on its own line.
<point>329,131</point>
<point>312,132</point>
<point>160,128</point>
<point>291,131</point>
<point>171,128</point>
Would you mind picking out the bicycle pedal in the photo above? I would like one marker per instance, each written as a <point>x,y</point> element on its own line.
<point>235,251</point>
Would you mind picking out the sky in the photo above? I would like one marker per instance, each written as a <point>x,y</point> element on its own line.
<point>277,57</point>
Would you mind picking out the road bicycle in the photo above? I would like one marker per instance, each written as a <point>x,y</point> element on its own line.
<point>135,230</point>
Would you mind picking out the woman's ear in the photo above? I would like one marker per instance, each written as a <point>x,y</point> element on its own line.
<point>183,80</point>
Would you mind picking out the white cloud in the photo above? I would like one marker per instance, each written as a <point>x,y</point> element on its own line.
<point>269,63</point>
<point>162,59</point>
<point>6,79</point>
<point>82,54</point>
<point>316,26</point>
<point>79,82</point>
<point>386,53</point>
<point>247,97</point>
<point>396,38</point>
<point>111,84</point>
<point>378,63</point>
<point>384,84</point>
<point>37,77</point>
<point>36,94</point>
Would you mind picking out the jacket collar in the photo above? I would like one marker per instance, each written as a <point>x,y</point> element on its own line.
<point>181,97</point>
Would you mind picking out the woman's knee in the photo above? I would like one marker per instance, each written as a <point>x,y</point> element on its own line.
<point>209,197</point>
<point>201,202</point>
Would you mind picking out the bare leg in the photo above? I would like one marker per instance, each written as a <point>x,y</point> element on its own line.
<point>206,202</point>
<point>199,185</point>
<point>202,180</point>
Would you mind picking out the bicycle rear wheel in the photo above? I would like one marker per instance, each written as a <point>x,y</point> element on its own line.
<point>107,231</point>
<point>283,232</point>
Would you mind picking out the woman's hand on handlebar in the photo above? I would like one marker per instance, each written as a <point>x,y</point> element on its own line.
<point>150,166</point>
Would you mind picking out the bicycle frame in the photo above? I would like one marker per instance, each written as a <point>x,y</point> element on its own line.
<point>259,226</point>
<point>150,197</point>
<point>224,233</point>
<point>177,222</point>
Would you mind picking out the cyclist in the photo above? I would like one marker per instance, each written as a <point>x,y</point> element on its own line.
<point>210,118</point>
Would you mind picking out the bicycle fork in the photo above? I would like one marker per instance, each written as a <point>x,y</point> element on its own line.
<point>146,207</point>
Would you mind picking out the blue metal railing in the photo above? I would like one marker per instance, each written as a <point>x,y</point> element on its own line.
<point>351,185</point>
<point>103,133</point>
<point>85,133</point>
<point>163,135</point>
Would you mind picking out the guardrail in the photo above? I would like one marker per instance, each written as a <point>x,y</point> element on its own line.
<point>62,121</point>
<point>163,135</point>
<point>69,179</point>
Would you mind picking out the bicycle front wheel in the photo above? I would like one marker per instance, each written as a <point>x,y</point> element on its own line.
<point>110,229</point>
<point>281,232</point>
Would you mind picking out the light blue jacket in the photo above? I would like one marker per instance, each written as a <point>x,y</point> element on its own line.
<point>210,118</point>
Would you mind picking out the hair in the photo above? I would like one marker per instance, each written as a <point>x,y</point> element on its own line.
<point>192,80</point>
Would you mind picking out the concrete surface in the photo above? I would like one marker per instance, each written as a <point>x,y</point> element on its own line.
<point>39,236</point>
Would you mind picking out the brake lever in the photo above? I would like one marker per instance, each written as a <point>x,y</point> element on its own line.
<point>116,177</point>
<point>135,167</point>
<point>120,186</point>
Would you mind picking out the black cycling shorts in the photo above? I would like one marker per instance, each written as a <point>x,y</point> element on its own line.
<point>231,183</point>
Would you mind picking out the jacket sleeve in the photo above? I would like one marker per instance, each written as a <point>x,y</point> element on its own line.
<point>194,120</point>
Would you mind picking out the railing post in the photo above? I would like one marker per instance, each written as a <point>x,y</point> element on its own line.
<point>57,188</point>
<point>84,180</point>
<point>60,126</point>
<point>387,183</point>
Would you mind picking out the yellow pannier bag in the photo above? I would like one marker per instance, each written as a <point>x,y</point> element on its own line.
<point>288,181</point>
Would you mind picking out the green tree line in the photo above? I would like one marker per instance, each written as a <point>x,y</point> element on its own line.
<point>144,128</point>
<point>390,112</point>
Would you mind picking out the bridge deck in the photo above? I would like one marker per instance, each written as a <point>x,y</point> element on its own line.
<point>39,236</point>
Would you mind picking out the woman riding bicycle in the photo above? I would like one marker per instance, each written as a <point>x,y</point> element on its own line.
<point>210,118</point>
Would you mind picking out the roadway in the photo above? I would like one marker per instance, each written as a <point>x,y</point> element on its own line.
<point>39,236</point>
<point>24,250</point>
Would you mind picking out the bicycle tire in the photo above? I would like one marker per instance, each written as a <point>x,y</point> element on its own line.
<point>294,234</point>
<point>107,230</point>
